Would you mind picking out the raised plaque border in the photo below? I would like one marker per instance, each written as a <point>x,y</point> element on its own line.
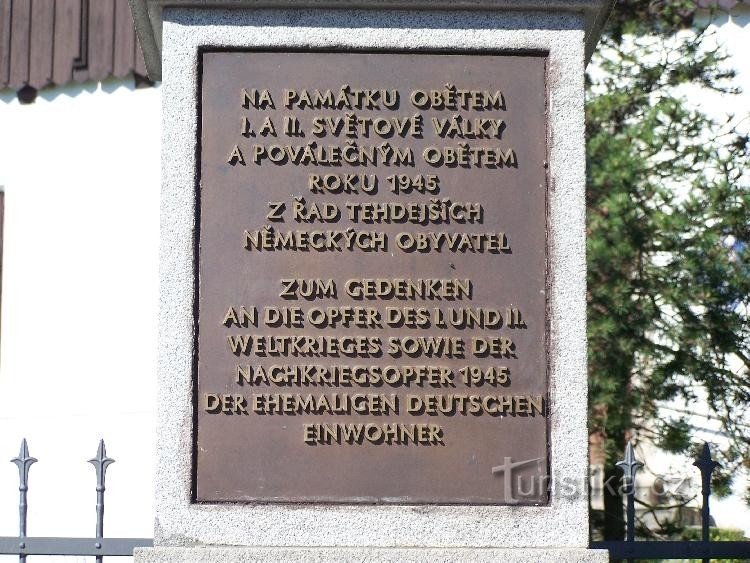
<point>196,266</point>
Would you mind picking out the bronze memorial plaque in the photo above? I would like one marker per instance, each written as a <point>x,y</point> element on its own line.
<point>372,254</point>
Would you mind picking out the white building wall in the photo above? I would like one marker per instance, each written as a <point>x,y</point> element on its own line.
<point>80,170</point>
<point>731,31</point>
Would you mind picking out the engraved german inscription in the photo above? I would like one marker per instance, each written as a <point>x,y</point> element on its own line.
<point>371,278</point>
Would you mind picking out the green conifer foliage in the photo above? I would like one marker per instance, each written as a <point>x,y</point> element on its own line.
<point>668,196</point>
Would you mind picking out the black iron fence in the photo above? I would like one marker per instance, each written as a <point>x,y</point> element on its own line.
<point>98,546</point>
<point>704,549</point>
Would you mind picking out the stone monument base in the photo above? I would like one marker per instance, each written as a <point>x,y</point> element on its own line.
<point>218,554</point>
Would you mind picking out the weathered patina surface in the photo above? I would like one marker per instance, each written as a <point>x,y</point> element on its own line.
<point>372,278</point>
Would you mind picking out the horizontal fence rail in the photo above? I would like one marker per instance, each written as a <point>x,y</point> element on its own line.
<point>675,549</point>
<point>686,549</point>
<point>98,546</point>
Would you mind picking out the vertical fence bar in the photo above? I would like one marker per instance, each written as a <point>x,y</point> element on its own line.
<point>630,466</point>
<point>23,462</point>
<point>100,463</point>
<point>706,465</point>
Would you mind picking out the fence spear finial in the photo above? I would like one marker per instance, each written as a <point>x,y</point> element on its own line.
<point>630,466</point>
<point>706,464</point>
<point>100,463</point>
<point>23,462</point>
